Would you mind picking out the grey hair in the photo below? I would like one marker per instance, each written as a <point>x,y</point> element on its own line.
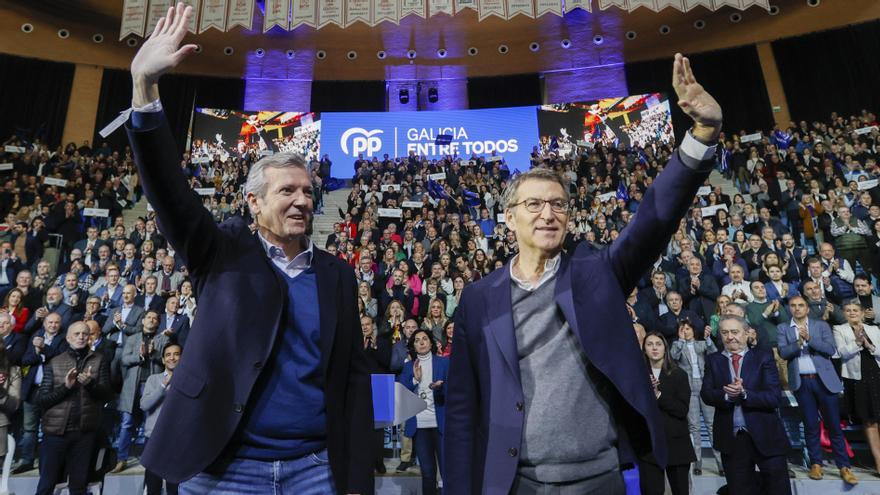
<point>4,314</point>
<point>509,194</point>
<point>739,319</point>
<point>256,179</point>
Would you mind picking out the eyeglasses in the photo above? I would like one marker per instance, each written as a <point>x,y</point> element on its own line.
<point>535,205</point>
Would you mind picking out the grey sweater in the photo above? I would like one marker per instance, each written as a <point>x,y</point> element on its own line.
<point>568,431</point>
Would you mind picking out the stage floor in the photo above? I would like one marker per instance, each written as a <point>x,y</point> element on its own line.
<point>130,482</point>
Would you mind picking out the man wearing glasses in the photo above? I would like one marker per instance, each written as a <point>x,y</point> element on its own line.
<point>548,391</point>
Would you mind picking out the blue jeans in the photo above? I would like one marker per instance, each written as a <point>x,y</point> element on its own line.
<point>428,445</point>
<point>813,397</point>
<point>307,475</point>
<point>128,429</point>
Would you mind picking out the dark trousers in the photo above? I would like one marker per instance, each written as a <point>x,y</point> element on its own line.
<point>652,480</point>
<point>153,482</point>
<point>72,450</point>
<point>813,397</point>
<point>739,469</point>
<point>380,446</point>
<point>427,446</point>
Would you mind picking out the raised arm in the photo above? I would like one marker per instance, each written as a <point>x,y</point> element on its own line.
<point>187,225</point>
<point>668,199</point>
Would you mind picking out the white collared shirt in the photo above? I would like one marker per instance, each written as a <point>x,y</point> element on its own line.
<point>292,268</point>
<point>551,266</point>
<point>805,361</point>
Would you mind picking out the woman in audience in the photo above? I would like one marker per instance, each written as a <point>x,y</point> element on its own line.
<point>720,304</point>
<point>673,395</point>
<point>425,375</point>
<point>858,345</point>
<point>689,353</point>
<point>436,319</point>
<point>365,295</point>
<point>392,323</point>
<point>14,305</point>
<point>187,301</point>
<point>445,346</point>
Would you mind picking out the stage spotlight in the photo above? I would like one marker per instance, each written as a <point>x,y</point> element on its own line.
<point>631,35</point>
<point>736,17</point>
<point>534,46</point>
<point>774,10</point>
<point>411,54</point>
<point>403,96</point>
<point>699,24</point>
<point>198,48</point>
<point>442,53</point>
<point>321,54</point>
<point>27,28</point>
<point>98,38</point>
<point>566,43</point>
<point>381,54</point>
<point>598,39</point>
<point>433,95</point>
<point>472,51</point>
<point>63,33</point>
<point>664,29</point>
<point>352,55</point>
<point>290,54</point>
<point>260,52</point>
<point>228,51</point>
<point>813,3</point>
<point>132,42</point>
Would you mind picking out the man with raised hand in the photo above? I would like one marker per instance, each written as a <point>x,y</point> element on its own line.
<point>274,393</point>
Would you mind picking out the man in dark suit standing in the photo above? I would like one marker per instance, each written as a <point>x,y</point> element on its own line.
<point>742,385</point>
<point>173,324</point>
<point>544,349</point>
<point>150,299</point>
<point>279,314</point>
<point>14,343</point>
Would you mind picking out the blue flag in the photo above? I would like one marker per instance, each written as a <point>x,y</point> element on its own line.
<point>621,192</point>
<point>782,139</point>
<point>471,198</point>
<point>436,190</point>
<point>725,159</point>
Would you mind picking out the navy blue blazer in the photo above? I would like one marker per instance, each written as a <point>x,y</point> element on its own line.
<point>156,304</point>
<point>760,407</point>
<point>65,311</point>
<point>439,371</point>
<point>241,300</point>
<point>180,327</point>
<point>33,359</point>
<point>16,345</point>
<point>484,413</point>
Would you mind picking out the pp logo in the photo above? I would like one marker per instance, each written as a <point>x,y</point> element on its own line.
<point>362,141</point>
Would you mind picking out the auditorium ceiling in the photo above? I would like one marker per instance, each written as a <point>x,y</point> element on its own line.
<point>413,49</point>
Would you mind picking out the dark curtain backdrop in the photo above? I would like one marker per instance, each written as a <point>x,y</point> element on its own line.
<point>504,91</point>
<point>733,76</point>
<point>179,93</point>
<point>831,71</point>
<point>348,96</point>
<point>33,98</point>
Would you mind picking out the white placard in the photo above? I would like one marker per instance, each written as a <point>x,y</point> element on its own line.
<point>150,207</point>
<point>548,7</point>
<point>865,130</point>
<point>501,218</point>
<point>389,187</point>
<point>303,13</point>
<point>51,181</point>
<point>491,7</point>
<point>605,197</point>
<point>416,7</point>
<point>329,12</point>
<point>276,14</point>
<point>867,184</point>
<point>365,188</point>
<point>134,18</point>
<point>412,204</point>
<point>710,211</point>
<point>578,4</point>
<point>494,159</point>
<point>516,7</point>
<point>464,4</point>
<point>201,159</point>
<point>15,149</point>
<point>386,10</point>
<point>357,10</point>
<point>205,191</point>
<point>157,10</point>
<point>96,212</point>
<point>439,7</point>
<point>748,138</point>
<point>5,166</point>
<point>241,13</point>
<point>585,144</point>
<point>213,15</point>
<point>437,176</point>
<point>704,191</point>
<point>471,163</point>
<point>266,152</point>
<point>391,212</point>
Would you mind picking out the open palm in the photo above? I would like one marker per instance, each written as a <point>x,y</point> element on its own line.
<point>162,51</point>
<point>693,99</point>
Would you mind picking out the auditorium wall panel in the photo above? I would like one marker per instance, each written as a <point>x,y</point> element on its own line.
<point>34,96</point>
<point>504,91</point>
<point>83,105</point>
